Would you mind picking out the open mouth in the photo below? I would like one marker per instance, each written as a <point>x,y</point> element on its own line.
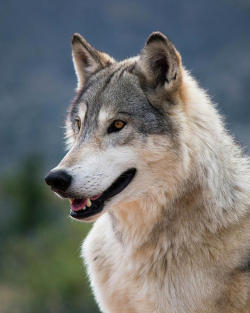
<point>86,207</point>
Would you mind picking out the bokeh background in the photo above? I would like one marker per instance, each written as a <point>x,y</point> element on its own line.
<point>40,267</point>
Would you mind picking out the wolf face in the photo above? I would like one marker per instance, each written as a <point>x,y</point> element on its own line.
<point>121,123</point>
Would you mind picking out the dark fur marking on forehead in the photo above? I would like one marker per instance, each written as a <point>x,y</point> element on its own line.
<point>122,72</point>
<point>108,80</point>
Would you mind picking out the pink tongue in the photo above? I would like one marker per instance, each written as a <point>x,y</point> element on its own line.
<point>96,197</point>
<point>78,204</point>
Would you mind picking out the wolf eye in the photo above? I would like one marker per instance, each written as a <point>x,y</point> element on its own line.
<point>116,126</point>
<point>78,123</point>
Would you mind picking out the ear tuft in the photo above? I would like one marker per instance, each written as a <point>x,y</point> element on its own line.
<point>77,38</point>
<point>156,36</point>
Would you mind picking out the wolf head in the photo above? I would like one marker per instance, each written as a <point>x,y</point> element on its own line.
<point>124,129</point>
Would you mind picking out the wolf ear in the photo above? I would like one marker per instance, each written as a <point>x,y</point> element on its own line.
<point>159,63</point>
<point>87,60</point>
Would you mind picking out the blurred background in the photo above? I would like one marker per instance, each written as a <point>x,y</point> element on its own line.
<point>40,267</point>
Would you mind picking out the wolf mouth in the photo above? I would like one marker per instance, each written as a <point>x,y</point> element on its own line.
<point>84,208</point>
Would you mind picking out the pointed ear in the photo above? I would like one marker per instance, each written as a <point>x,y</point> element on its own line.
<point>87,60</point>
<point>159,63</point>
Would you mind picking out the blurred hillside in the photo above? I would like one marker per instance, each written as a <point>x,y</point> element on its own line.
<point>40,267</point>
<point>37,78</point>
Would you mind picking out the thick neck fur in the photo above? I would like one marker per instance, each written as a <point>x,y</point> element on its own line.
<point>207,201</point>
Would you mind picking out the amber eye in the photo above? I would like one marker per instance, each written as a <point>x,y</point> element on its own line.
<point>78,123</point>
<point>116,126</point>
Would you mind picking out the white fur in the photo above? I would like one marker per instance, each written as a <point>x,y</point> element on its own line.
<point>123,282</point>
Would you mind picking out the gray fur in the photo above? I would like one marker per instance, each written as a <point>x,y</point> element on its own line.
<point>116,89</point>
<point>180,229</point>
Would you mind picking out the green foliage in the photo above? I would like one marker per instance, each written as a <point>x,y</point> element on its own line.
<point>40,267</point>
<point>27,197</point>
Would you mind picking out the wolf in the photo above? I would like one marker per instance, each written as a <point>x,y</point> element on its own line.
<point>150,162</point>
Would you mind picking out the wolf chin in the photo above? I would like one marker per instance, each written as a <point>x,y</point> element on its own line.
<point>150,162</point>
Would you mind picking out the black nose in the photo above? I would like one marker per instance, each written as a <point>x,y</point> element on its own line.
<point>59,180</point>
